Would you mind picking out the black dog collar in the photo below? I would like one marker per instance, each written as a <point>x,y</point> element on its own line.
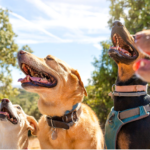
<point>66,121</point>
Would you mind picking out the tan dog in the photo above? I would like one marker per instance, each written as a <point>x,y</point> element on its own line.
<point>14,126</point>
<point>60,89</point>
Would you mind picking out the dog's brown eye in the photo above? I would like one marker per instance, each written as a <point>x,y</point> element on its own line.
<point>49,58</point>
<point>18,107</point>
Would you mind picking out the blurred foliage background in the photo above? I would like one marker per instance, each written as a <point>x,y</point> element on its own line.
<point>133,13</point>
<point>8,54</point>
<point>100,85</point>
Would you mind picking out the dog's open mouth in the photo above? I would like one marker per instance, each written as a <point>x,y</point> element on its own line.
<point>122,48</point>
<point>36,78</point>
<point>5,113</point>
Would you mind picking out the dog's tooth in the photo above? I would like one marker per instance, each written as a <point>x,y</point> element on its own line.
<point>142,64</point>
<point>28,78</point>
<point>23,65</point>
<point>41,75</point>
<point>32,73</point>
<point>36,75</point>
<point>41,79</point>
<point>130,48</point>
<point>11,119</point>
<point>52,79</point>
<point>44,79</point>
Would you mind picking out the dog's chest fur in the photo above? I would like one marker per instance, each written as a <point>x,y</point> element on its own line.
<point>79,136</point>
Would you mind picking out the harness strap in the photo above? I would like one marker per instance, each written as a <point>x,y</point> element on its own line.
<point>131,88</point>
<point>65,121</point>
<point>127,94</point>
<point>117,119</point>
<point>128,91</point>
<point>132,112</point>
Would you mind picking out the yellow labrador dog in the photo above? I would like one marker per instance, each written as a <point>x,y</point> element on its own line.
<point>14,126</point>
<point>66,122</point>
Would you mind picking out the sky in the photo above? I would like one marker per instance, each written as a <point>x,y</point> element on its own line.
<point>70,30</point>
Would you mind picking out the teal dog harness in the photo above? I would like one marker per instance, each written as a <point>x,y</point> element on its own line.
<point>116,119</point>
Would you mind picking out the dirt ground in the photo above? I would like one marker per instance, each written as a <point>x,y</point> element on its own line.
<point>33,143</point>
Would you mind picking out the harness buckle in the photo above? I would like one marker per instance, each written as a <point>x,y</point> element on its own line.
<point>110,120</point>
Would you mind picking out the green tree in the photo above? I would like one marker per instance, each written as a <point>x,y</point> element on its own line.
<point>8,53</point>
<point>135,13</point>
<point>103,78</point>
<point>28,101</point>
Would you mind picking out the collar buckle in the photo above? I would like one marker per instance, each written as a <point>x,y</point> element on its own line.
<point>65,118</point>
<point>72,117</point>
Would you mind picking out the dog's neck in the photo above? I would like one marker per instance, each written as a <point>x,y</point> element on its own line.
<point>122,103</point>
<point>13,136</point>
<point>58,107</point>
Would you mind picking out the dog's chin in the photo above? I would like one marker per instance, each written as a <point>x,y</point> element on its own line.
<point>119,58</point>
<point>3,117</point>
<point>29,85</point>
<point>35,85</point>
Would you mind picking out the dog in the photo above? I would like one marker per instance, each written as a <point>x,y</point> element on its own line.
<point>14,126</point>
<point>66,122</point>
<point>142,41</point>
<point>142,67</point>
<point>136,134</point>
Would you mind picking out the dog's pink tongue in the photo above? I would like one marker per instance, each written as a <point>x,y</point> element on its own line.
<point>120,49</point>
<point>28,79</point>
<point>4,113</point>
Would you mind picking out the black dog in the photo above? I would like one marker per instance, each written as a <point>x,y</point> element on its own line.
<point>134,135</point>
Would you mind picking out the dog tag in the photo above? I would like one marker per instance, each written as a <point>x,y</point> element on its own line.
<point>54,134</point>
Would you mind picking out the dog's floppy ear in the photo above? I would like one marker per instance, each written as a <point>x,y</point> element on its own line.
<point>33,125</point>
<point>75,72</point>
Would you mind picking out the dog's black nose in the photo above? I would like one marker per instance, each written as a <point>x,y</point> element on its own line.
<point>21,52</point>
<point>5,101</point>
<point>117,23</point>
